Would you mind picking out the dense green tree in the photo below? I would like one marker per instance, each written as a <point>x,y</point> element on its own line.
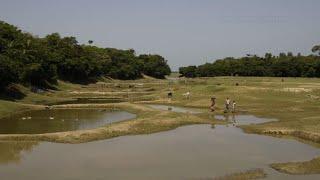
<point>284,65</point>
<point>35,61</point>
<point>155,66</point>
<point>189,71</point>
<point>8,72</point>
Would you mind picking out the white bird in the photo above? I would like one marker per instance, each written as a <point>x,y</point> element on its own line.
<point>23,118</point>
<point>29,117</point>
<point>51,118</point>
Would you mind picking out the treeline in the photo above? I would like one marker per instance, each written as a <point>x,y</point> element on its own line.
<point>35,61</point>
<point>284,65</point>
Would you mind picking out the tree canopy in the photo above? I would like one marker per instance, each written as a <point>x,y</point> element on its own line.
<point>30,60</point>
<point>284,65</point>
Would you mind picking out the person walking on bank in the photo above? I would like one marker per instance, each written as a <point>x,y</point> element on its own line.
<point>213,103</point>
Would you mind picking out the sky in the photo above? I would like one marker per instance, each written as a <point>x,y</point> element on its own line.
<point>185,32</point>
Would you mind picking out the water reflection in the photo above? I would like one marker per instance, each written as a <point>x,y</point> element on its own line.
<point>235,119</point>
<point>11,151</point>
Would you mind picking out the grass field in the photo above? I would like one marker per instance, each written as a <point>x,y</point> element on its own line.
<point>294,102</point>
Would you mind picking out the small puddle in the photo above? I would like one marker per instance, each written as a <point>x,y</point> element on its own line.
<point>175,108</point>
<point>59,120</point>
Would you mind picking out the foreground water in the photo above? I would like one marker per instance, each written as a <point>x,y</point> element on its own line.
<point>57,120</point>
<point>197,151</point>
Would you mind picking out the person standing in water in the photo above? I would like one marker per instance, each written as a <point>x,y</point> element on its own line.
<point>227,104</point>
<point>213,103</point>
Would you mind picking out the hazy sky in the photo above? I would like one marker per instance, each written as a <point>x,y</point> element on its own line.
<point>184,31</point>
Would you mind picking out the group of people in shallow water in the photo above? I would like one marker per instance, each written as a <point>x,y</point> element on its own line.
<point>229,106</point>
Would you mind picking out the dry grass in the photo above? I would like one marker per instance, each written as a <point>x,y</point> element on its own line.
<point>307,167</point>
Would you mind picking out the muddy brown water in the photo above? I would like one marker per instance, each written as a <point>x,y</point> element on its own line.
<point>58,120</point>
<point>196,151</point>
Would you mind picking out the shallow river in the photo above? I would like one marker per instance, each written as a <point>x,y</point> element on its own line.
<point>57,120</point>
<point>196,151</point>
